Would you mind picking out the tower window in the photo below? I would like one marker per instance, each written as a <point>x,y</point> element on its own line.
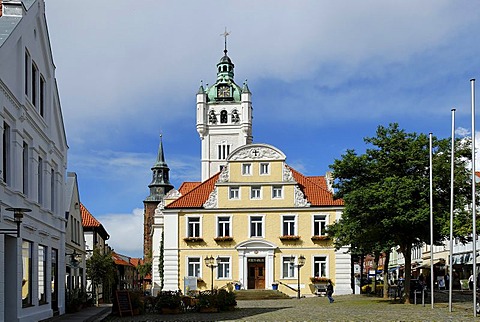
<point>223,151</point>
<point>223,116</point>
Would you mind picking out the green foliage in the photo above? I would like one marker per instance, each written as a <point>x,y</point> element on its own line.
<point>75,299</point>
<point>144,269</point>
<point>226,300</point>
<point>207,299</point>
<point>168,299</point>
<point>386,192</point>
<point>101,270</point>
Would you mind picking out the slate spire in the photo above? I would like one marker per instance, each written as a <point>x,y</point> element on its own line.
<point>160,184</point>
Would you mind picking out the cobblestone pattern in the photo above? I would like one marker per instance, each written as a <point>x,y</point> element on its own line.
<point>345,308</point>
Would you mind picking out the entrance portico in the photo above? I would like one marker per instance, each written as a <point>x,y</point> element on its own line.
<point>256,263</point>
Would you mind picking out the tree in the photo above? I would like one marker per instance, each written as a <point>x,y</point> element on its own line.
<point>100,270</point>
<point>386,192</point>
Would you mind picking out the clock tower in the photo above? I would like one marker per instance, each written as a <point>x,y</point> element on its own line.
<point>224,117</point>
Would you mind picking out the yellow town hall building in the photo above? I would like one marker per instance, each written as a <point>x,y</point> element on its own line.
<point>253,219</point>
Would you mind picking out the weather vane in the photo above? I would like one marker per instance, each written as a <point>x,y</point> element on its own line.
<point>225,35</point>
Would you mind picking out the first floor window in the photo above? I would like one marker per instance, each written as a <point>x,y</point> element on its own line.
<point>42,274</point>
<point>289,225</point>
<point>288,268</point>
<point>234,193</point>
<point>223,270</point>
<point>194,267</point>
<point>277,192</point>
<point>27,268</point>
<point>256,192</point>
<point>319,224</point>
<point>193,227</point>
<point>223,226</point>
<point>256,223</point>
<point>320,266</point>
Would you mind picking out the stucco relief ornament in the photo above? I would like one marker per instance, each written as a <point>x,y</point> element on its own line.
<point>160,207</point>
<point>212,200</point>
<point>224,175</point>
<point>287,174</point>
<point>300,200</point>
<point>173,194</point>
<point>256,153</point>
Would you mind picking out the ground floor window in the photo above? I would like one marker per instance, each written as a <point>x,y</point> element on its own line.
<point>193,266</point>
<point>320,266</point>
<point>288,268</point>
<point>223,270</point>
<point>27,273</point>
<point>42,274</point>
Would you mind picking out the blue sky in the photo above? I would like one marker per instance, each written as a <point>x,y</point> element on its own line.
<point>324,75</point>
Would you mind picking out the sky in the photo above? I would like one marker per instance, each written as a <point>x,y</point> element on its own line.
<point>323,76</point>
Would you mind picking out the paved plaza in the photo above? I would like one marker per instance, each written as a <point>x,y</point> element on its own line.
<point>345,308</point>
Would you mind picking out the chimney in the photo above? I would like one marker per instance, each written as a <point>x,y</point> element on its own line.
<point>12,8</point>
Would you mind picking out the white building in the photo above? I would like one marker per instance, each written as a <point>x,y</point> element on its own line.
<point>75,259</point>
<point>33,166</point>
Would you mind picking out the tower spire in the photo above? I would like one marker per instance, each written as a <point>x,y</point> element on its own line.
<point>160,184</point>
<point>225,35</point>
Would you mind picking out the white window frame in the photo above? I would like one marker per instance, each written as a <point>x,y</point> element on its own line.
<point>187,224</point>
<point>295,224</point>
<point>314,222</point>
<point>246,169</point>
<point>262,169</point>
<point>229,263</point>
<point>327,273</point>
<point>187,260</point>
<point>218,224</point>
<point>256,188</point>
<point>231,190</point>
<point>250,226</point>
<point>277,188</point>
<point>292,273</point>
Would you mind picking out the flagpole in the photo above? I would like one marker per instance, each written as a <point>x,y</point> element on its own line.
<point>452,177</point>
<point>474,206</point>
<point>431,219</point>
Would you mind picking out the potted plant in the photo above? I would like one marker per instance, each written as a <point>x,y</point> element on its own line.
<point>223,239</point>
<point>207,301</point>
<point>169,302</point>
<point>238,285</point>
<point>226,300</point>
<point>275,286</point>
<point>320,237</point>
<point>319,280</point>
<point>193,239</point>
<point>289,237</point>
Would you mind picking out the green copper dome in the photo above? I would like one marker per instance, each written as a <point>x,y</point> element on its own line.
<point>225,89</point>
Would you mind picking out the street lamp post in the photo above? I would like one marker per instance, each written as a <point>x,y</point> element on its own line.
<point>210,262</point>
<point>300,263</point>
<point>17,217</point>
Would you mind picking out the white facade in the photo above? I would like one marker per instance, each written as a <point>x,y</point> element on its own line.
<point>75,259</point>
<point>33,165</point>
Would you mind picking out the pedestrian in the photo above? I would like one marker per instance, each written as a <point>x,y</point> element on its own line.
<point>330,291</point>
<point>470,282</point>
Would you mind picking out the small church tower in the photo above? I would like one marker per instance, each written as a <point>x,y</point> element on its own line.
<point>159,187</point>
<point>224,117</point>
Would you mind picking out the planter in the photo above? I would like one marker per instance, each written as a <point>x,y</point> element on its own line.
<point>208,309</point>
<point>167,310</point>
<point>237,287</point>
<point>275,287</point>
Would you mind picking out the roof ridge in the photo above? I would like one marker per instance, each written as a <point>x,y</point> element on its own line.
<point>310,180</point>
<point>209,181</point>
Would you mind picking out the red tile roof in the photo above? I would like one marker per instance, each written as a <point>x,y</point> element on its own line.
<point>87,218</point>
<point>136,261</point>
<point>188,186</point>
<point>314,188</point>
<point>196,198</point>
<point>120,259</point>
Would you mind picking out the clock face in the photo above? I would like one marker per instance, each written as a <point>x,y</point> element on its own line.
<point>223,91</point>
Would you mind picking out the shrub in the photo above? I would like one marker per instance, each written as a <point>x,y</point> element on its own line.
<point>168,299</point>
<point>226,300</point>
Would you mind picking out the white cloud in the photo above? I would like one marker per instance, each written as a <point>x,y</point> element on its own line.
<point>126,232</point>
<point>462,132</point>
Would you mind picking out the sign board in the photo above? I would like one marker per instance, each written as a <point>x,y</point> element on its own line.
<point>124,304</point>
<point>189,284</point>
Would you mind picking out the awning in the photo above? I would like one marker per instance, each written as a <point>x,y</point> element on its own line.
<point>427,263</point>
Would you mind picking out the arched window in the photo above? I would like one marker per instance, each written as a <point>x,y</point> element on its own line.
<point>224,68</point>
<point>223,117</point>
<point>235,117</point>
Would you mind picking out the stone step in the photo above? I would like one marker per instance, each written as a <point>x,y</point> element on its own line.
<point>260,295</point>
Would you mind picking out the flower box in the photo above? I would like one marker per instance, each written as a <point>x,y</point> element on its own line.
<point>289,237</point>
<point>193,239</point>
<point>223,239</point>
<point>317,279</point>
<point>321,237</point>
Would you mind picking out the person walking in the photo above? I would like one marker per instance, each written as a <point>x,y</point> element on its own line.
<point>330,291</point>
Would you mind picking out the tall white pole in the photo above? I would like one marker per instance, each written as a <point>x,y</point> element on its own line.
<point>452,177</point>
<point>431,220</point>
<point>474,205</point>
